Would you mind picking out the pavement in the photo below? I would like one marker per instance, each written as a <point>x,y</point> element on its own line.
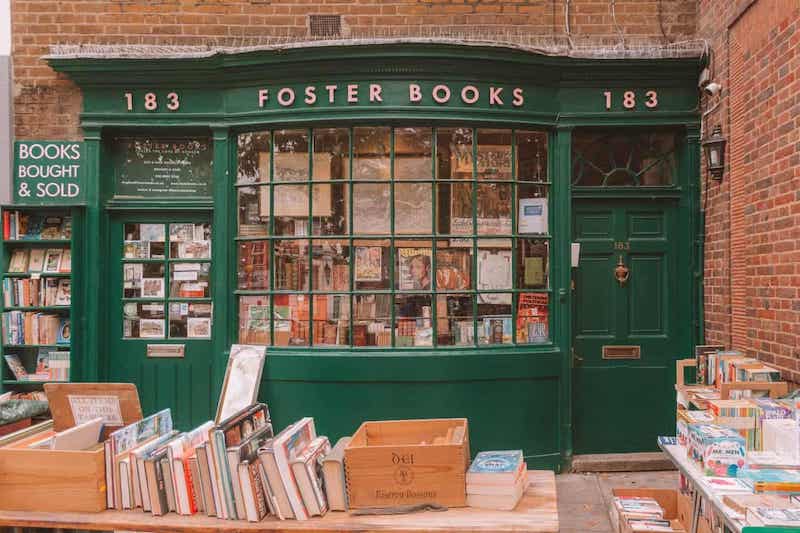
<point>584,499</point>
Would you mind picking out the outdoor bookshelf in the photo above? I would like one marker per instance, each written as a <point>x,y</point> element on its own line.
<point>37,260</point>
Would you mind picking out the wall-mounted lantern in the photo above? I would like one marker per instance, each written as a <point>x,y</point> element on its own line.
<point>714,147</point>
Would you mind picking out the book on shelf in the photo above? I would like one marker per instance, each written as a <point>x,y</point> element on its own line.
<point>28,327</point>
<point>19,261</point>
<point>17,368</point>
<point>18,225</point>
<point>36,261</point>
<point>246,451</point>
<point>34,292</point>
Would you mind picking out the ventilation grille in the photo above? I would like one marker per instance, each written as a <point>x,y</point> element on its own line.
<point>325,25</point>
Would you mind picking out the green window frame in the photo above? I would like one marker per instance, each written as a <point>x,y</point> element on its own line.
<point>261,306</point>
<point>178,251</point>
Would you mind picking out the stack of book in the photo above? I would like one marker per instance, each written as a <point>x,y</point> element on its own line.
<point>641,514</point>
<point>497,480</point>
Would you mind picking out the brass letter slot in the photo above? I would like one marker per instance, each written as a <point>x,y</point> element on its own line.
<point>622,352</point>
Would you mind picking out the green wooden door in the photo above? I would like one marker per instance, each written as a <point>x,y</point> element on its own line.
<point>160,312</point>
<point>625,332</point>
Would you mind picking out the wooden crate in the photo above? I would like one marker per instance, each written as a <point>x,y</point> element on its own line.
<point>51,481</point>
<point>402,462</point>
<point>668,499</point>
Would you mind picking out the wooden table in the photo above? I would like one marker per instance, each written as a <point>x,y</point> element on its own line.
<point>537,512</point>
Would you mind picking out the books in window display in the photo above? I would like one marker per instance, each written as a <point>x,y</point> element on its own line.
<point>25,292</point>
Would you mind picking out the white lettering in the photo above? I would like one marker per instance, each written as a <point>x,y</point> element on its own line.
<point>470,99</point>
<point>441,94</point>
<point>414,93</point>
<point>519,99</point>
<point>57,190</point>
<point>494,95</point>
<point>263,96</point>
<point>311,95</point>
<point>331,91</point>
<point>286,101</point>
<point>375,93</point>
<point>352,94</point>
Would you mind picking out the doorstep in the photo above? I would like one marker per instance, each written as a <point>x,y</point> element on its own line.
<point>621,462</point>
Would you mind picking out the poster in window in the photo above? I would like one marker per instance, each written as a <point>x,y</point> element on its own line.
<point>494,273</point>
<point>414,265</point>
<point>368,263</point>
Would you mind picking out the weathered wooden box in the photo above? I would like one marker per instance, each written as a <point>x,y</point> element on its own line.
<point>51,480</point>
<point>403,462</point>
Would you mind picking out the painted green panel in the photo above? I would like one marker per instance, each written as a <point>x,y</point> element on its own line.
<point>49,173</point>
<point>503,414</point>
<point>593,225</point>
<point>611,416</point>
<point>594,285</point>
<point>647,295</point>
<point>645,225</point>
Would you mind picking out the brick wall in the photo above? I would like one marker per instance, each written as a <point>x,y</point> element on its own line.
<point>753,221</point>
<point>47,105</point>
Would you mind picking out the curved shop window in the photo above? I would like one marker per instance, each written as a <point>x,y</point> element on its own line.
<point>406,237</point>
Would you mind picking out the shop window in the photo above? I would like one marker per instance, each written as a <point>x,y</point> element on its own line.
<point>166,287</point>
<point>393,237</point>
<point>624,158</point>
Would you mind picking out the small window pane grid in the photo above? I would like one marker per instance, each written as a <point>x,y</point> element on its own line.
<point>409,237</point>
<point>166,291</point>
<point>624,158</point>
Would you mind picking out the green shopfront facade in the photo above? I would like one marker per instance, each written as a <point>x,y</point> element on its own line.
<point>395,221</point>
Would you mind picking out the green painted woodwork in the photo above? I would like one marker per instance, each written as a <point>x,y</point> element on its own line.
<point>49,173</point>
<point>531,386</point>
<point>633,396</point>
<point>179,383</point>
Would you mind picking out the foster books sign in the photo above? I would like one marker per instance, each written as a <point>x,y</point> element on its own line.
<point>49,172</point>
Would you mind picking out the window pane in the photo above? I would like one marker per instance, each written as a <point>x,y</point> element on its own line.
<point>532,318</point>
<point>413,153</point>
<point>190,320</point>
<point>291,156</point>
<point>291,210</point>
<point>144,241</point>
<point>453,268</point>
<point>532,155</point>
<point>291,265</point>
<point>494,270</point>
<point>331,154</point>
<point>143,320</point>
<point>253,269</point>
<point>371,209</point>
<point>494,319</point>
<point>413,269</point>
<point>605,157</point>
<point>253,157</point>
<point>254,323</point>
<point>291,320</point>
<point>253,205</point>
<point>372,265</point>
<point>413,320</point>
<point>189,280</point>
<point>330,266</point>
<point>331,320</point>
<point>190,241</point>
<point>331,209</point>
<point>143,280</point>
<point>533,212</point>
<point>494,209</point>
<point>454,320</point>
<point>494,154</point>
<point>413,208</point>
<point>454,153</point>
<point>455,208</point>
<point>372,318</point>
<point>371,153</point>
<point>532,265</point>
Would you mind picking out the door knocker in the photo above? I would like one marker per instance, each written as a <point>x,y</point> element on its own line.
<point>621,272</point>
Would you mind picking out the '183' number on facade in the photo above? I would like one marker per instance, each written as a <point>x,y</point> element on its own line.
<point>629,99</point>
<point>151,102</point>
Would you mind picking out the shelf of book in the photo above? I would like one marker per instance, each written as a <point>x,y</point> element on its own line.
<point>36,269</point>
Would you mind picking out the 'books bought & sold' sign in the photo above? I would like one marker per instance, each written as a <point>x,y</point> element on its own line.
<point>49,172</point>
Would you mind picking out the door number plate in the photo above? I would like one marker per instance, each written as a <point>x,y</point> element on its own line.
<point>622,352</point>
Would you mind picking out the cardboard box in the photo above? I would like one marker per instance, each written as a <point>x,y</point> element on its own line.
<point>666,498</point>
<point>50,480</point>
<point>404,462</point>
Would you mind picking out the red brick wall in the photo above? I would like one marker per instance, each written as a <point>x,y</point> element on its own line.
<point>47,106</point>
<point>753,221</point>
